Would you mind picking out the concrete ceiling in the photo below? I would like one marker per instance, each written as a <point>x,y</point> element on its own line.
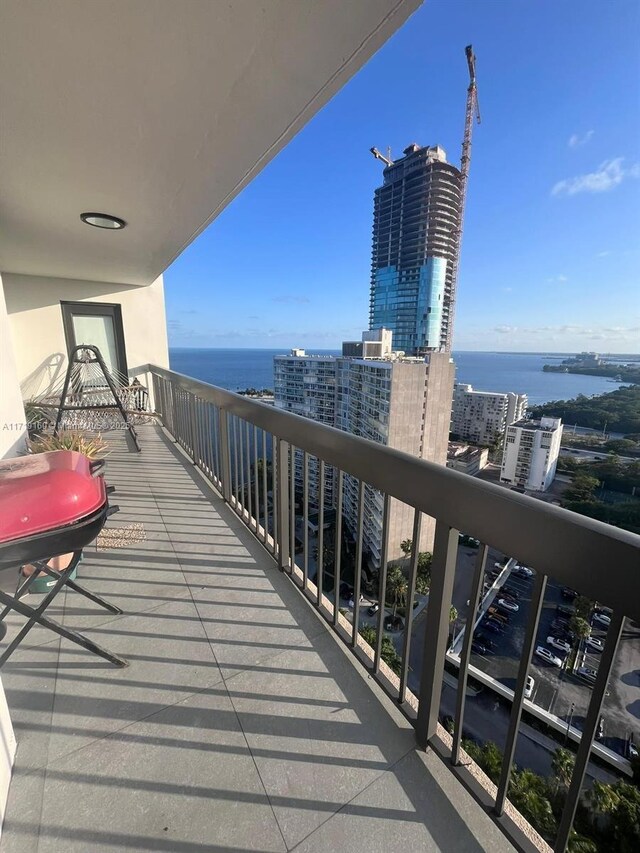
<point>156,111</point>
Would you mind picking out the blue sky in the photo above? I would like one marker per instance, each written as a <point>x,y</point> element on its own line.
<point>551,249</point>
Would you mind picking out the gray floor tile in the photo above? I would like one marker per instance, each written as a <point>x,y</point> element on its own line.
<point>182,779</point>
<point>318,733</point>
<point>170,658</point>
<point>411,807</point>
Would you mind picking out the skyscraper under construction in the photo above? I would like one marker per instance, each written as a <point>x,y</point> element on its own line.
<point>416,225</point>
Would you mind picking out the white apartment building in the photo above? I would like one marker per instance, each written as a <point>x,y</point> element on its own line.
<point>400,402</point>
<point>482,416</point>
<point>530,453</point>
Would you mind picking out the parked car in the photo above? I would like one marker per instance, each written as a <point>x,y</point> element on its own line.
<point>373,609</point>
<point>595,644</point>
<point>499,566</point>
<point>548,656</point>
<point>602,619</point>
<point>566,611</point>
<point>484,640</point>
<point>509,590</point>
<point>523,571</point>
<point>528,687</point>
<point>559,644</point>
<point>588,673</point>
<point>509,605</point>
<point>494,613</point>
<point>494,627</point>
<point>600,729</point>
<point>569,593</point>
<point>478,648</point>
<point>632,749</point>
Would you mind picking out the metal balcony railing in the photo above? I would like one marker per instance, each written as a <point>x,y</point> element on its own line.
<point>248,450</point>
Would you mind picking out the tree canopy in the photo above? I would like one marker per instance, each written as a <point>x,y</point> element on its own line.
<point>617,411</point>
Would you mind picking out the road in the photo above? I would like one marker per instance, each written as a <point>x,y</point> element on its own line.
<point>593,455</point>
<point>487,718</point>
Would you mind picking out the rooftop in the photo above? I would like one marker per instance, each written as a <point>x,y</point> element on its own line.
<point>241,723</point>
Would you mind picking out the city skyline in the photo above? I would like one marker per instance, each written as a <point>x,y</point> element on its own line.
<point>549,261</point>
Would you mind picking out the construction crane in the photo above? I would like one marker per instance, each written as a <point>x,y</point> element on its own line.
<point>473,111</point>
<point>380,156</point>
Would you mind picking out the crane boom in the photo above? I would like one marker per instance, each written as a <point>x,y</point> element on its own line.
<point>380,156</point>
<point>472,111</point>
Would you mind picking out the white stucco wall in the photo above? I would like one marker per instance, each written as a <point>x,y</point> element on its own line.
<point>35,320</point>
<point>12,435</point>
<point>12,420</point>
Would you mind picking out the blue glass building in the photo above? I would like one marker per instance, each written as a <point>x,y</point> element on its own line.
<point>415,222</point>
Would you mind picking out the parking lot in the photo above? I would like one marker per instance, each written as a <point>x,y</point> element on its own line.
<point>556,690</point>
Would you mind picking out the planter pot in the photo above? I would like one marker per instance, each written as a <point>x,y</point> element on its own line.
<point>43,582</point>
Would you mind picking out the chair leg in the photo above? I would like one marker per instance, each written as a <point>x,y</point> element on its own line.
<point>77,588</point>
<point>36,617</point>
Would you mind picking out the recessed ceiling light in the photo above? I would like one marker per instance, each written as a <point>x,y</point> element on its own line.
<point>103,220</point>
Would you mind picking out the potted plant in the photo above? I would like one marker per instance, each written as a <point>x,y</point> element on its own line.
<point>92,446</point>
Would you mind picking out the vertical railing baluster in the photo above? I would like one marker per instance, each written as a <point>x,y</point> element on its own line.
<point>612,641</point>
<point>465,654</point>
<point>215,444</point>
<point>210,443</point>
<point>337,549</point>
<point>283,503</point>
<point>256,484</point>
<point>225,455</point>
<point>192,408</point>
<point>537,600</point>
<point>292,506</point>
<point>443,570</point>
<point>248,484</point>
<point>241,456</point>
<point>411,592</point>
<point>382,585</point>
<point>275,486</point>
<point>320,544</point>
<point>357,576</point>
<point>265,501</point>
<point>305,519</point>
<point>236,471</point>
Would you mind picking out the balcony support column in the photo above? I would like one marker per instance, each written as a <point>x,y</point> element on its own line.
<point>436,635</point>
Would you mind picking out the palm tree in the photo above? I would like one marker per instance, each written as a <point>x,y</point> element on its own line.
<point>562,768</point>
<point>397,587</point>
<point>453,614</point>
<point>602,798</point>
<point>406,547</point>
<point>581,844</point>
<point>527,793</point>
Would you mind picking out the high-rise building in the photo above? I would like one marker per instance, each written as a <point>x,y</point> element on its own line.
<point>483,416</point>
<point>415,226</point>
<point>398,401</point>
<point>530,453</point>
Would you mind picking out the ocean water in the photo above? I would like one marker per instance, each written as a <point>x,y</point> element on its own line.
<point>236,369</point>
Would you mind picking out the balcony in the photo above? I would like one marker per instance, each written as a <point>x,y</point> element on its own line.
<point>241,723</point>
<point>253,716</point>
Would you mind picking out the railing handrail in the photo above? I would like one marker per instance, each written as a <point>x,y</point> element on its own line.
<point>602,561</point>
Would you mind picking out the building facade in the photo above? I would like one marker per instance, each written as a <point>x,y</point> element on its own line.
<point>530,453</point>
<point>466,458</point>
<point>415,222</point>
<point>482,416</point>
<point>396,401</point>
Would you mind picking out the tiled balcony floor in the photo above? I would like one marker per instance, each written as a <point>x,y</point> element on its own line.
<point>241,723</point>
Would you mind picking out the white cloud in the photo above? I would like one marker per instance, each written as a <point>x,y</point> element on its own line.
<point>607,176</point>
<point>505,330</point>
<point>557,279</point>
<point>575,140</point>
<point>604,254</point>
